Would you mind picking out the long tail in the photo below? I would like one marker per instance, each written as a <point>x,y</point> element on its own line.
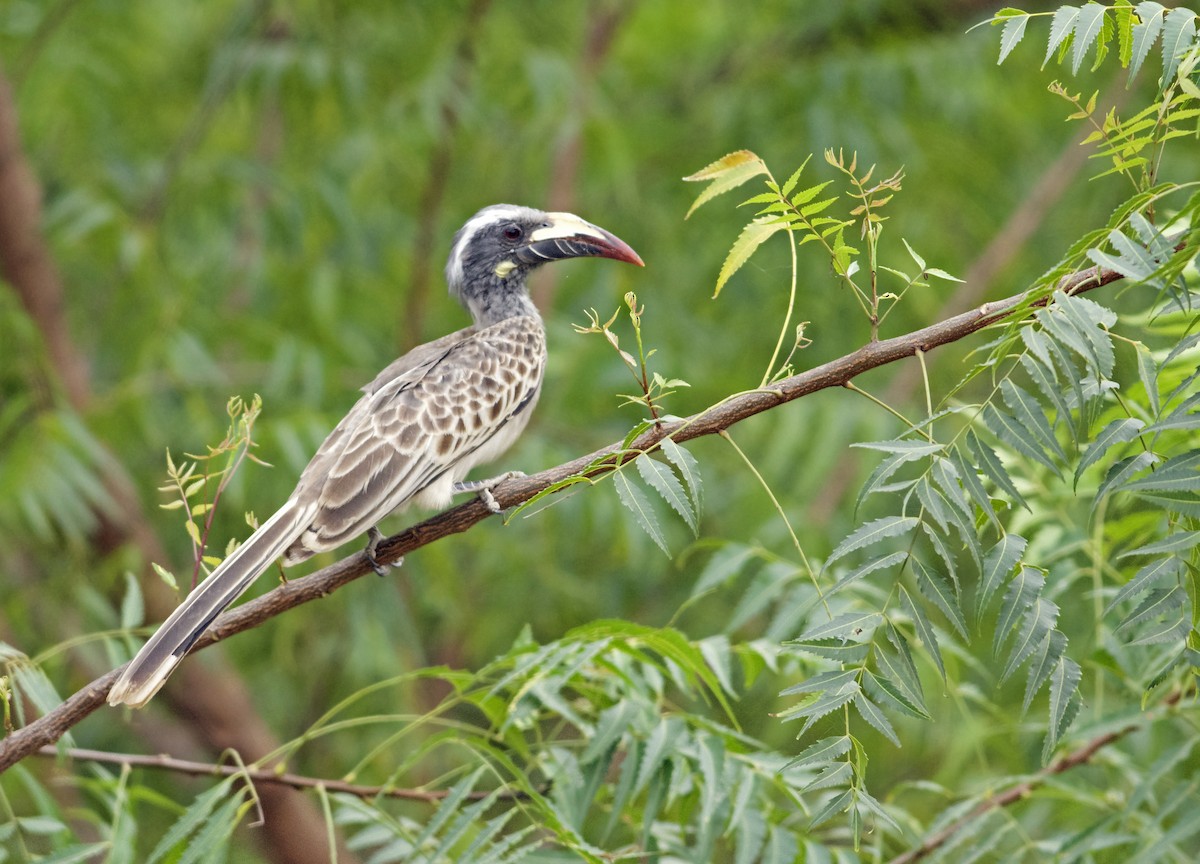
<point>149,669</point>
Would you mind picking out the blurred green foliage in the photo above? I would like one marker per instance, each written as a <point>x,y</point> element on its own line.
<point>257,198</point>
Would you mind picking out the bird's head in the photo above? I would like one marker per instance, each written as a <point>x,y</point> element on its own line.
<point>498,247</point>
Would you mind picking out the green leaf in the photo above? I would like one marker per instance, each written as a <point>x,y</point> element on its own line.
<point>1030,414</point>
<point>726,173</point>
<point>689,470</point>
<point>836,805</point>
<point>1016,434</point>
<point>871,533</point>
<point>937,588</point>
<point>662,480</point>
<point>1179,32</point>
<point>1022,592</point>
<point>1064,687</point>
<point>870,712</point>
<point>639,505</point>
<point>998,564</point>
<point>1117,432</point>
<point>1061,26</point>
<point>753,235</point>
<point>1145,33</point>
<point>924,630</point>
<point>1178,542</point>
<point>849,625</point>
<point>133,611</point>
<point>1053,647</point>
<point>1178,474</point>
<point>1155,571</point>
<point>825,750</point>
<point>190,820</point>
<point>1014,31</point>
<point>1088,24</point>
<point>970,480</point>
<point>898,667</point>
<point>1038,621</point>
<point>887,691</point>
<point>1166,605</point>
<point>869,567</point>
<point>1121,471</point>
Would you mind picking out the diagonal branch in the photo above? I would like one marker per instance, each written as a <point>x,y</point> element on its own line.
<point>1021,791</point>
<point>836,373</point>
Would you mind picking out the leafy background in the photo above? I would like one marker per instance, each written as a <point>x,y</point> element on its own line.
<point>256,198</point>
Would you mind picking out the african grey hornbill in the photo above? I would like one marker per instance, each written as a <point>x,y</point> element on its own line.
<point>422,424</point>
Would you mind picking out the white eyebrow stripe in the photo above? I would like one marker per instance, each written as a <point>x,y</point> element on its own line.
<point>488,216</point>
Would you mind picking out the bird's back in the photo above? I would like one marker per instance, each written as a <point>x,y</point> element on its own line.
<point>420,426</point>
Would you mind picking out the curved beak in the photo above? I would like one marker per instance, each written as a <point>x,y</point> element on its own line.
<point>568,236</point>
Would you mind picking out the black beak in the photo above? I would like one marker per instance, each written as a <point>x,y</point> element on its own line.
<point>568,236</point>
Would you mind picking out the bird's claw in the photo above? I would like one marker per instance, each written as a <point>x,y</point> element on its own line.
<point>374,538</point>
<point>483,488</point>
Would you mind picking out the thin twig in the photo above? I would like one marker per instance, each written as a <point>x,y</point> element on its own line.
<point>1022,790</point>
<point>257,775</point>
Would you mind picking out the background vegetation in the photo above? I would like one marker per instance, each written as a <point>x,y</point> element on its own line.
<point>246,198</point>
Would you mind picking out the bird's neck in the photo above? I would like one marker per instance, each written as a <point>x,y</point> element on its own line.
<point>491,307</point>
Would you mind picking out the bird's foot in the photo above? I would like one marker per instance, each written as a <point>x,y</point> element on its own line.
<point>483,488</point>
<point>374,538</point>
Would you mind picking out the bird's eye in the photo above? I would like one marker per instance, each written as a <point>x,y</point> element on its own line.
<point>513,232</point>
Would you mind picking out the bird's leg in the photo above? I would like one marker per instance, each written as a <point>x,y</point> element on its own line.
<point>484,488</point>
<point>374,538</point>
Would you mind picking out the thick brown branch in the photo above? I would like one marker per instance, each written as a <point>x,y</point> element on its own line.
<point>48,729</point>
<point>256,775</point>
<point>1022,790</point>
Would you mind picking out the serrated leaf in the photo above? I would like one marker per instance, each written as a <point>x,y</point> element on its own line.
<point>938,588</point>
<point>1121,471</point>
<point>825,750</point>
<point>1046,658</point>
<point>1145,34</point>
<point>924,630</point>
<point>1117,432</point>
<point>1015,434</point>
<point>871,533</point>
<point>884,689</point>
<point>1179,32</point>
<point>1088,25</point>
<point>1029,412</point>
<point>1038,620</point>
<point>898,667</point>
<point>662,480</point>
<point>1178,474</point>
<point>753,235</point>
<point>863,569</point>
<point>1161,603</point>
<point>849,625</point>
<point>833,807</point>
<point>1162,569</point>
<point>728,172</point>
<point>1061,26</point>
<point>1178,542</point>
<point>1022,592</point>
<point>689,470</point>
<point>870,712</point>
<point>970,480</point>
<point>638,504</point>
<point>1064,686</point>
<point>998,564</point>
<point>1013,33</point>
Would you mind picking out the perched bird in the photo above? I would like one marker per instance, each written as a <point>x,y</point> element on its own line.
<point>422,424</point>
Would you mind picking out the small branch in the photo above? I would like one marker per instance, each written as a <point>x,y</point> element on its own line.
<point>256,775</point>
<point>1023,790</point>
<point>836,373</point>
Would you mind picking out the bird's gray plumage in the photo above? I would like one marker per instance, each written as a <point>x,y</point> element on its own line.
<point>420,426</point>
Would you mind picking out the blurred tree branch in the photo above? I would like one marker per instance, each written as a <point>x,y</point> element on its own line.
<point>215,702</point>
<point>741,406</point>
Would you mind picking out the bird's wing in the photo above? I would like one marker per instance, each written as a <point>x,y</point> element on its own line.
<point>429,422</point>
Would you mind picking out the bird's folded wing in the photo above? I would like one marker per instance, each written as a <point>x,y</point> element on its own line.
<point>429,423</point>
